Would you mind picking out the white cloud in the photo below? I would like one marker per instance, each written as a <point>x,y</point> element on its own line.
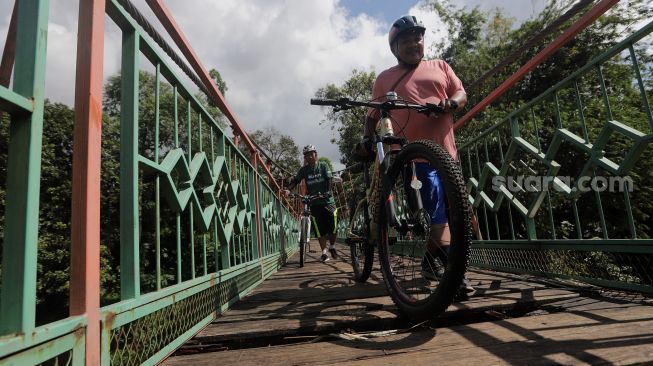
<point>273,55</point>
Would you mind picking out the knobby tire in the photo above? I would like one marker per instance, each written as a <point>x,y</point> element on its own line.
<point>435,301</point>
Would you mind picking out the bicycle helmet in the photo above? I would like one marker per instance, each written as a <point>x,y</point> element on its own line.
<point>405,23</point>
<point>309,148</point>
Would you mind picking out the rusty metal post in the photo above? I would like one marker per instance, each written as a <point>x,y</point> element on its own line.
<point>85,251</point>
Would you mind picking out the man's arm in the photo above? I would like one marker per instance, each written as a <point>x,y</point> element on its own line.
<point>294,181</point>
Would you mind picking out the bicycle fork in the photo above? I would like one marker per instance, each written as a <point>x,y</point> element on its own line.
<point>413,196</point>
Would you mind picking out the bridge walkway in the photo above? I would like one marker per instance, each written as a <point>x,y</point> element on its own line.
<point>317,315</point>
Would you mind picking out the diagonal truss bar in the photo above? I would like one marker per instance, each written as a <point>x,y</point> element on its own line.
<point>565,37</point>
<point>9,52</point>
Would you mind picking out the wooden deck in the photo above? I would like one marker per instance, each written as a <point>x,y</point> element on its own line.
<point>317,315</point>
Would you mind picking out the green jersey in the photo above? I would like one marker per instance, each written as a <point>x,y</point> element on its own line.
<point>317,181</point>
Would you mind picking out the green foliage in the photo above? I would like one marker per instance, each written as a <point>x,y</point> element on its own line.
<point>280,148</point>
<point>222,85</point>
<point>53,271</point>
<point>326,161</point>
<point>348,124</point>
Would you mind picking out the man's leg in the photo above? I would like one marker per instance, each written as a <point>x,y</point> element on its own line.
<point>332,245</point>
<point>437,252</point>
<point>318,227</point>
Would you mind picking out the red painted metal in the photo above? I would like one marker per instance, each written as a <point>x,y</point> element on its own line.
<point>9,52</point>
<point>85,251</point>
<point>570,33</point>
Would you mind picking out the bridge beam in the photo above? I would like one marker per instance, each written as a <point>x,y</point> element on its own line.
<point>85,236</point>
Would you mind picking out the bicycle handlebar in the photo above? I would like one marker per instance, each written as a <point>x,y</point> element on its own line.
<point>346,103</point>
<point>309,198</point>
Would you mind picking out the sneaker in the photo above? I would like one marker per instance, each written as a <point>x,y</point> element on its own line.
<point>324,258</point>
<point>466,286</point>
<point>432,268</point>
<point>461,295</point>
<point>333,252</point>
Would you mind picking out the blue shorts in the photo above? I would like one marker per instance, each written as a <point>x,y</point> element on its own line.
<point>432,191</point>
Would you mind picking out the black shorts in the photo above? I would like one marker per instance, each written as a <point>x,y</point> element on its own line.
<point>324,220</point>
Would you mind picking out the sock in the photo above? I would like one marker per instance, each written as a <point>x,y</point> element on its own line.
<point>332,246</point>
<point>324,251</point>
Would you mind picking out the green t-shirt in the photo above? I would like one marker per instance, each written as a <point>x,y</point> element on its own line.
<point>317,181</point>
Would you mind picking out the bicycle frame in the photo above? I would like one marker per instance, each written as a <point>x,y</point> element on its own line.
<point>305,226</point>
<point>384,138</point>
<point>306,223</point>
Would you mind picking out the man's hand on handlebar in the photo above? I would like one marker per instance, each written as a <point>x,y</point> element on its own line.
<point>448,105</point>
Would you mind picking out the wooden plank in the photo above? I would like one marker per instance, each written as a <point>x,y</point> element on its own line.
<point>321,298</point>
<point>611,335</point>
<point>320,301</point>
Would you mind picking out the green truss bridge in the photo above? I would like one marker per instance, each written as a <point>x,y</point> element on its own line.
<point>206,244</point>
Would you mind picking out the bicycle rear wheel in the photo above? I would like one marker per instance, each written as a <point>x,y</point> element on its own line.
<point>403,243</point>
<point>362,251</point>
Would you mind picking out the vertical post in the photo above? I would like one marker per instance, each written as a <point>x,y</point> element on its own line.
<point>177,214</point>
<point>85,235</point>
<point>157,182</point>
<point>255,159</point>
<point>18,305</point>
<point>129,247</point>
<point>191,230</point>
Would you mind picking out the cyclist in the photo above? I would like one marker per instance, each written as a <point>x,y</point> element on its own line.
<point>319,179</point>
<point>423,81</point>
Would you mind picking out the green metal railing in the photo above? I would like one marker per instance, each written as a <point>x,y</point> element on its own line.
<point>202,191</point>
<point>22,107</point>
<point>210,186</point>
<point>560,184</point>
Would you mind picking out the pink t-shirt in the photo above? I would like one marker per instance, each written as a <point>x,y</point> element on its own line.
<point>430,82</point>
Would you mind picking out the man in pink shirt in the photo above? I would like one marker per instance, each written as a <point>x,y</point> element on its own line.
<point>423,81</point>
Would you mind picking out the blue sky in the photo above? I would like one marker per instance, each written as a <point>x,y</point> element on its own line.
<point>389,10</point>
<point>386,10</point>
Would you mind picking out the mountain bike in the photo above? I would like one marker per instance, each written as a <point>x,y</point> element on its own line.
<point>358,231</point>
<point>305,224</point>
<point>400,219</point>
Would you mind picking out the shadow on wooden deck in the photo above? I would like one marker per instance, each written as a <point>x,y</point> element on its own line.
<point>318,315</point>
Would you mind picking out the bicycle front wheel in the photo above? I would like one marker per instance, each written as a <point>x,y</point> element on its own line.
<point>362,251</point>
<point>423,275</point>
<point>303,240</point>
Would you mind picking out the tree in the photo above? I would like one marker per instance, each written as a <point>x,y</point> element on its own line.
<point>478,41</point>
<point>53,263</point>
<point>326,161</point>
<point>348,124</point>
<point>281,149</point>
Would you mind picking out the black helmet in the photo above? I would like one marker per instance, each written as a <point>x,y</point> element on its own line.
<point>407,22</point>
